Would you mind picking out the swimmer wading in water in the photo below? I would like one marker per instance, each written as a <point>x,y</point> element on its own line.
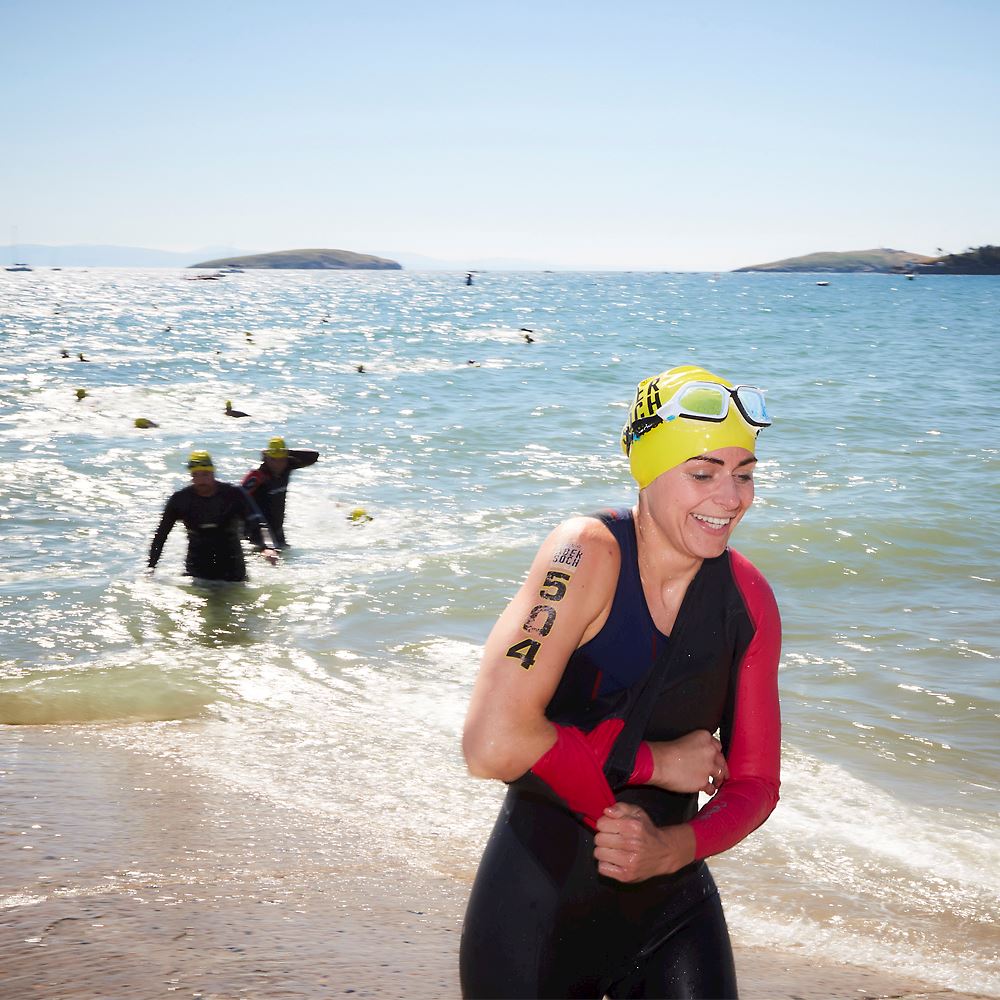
<point>637,635</point>
<point>268,485</point>
<point>213,514</point>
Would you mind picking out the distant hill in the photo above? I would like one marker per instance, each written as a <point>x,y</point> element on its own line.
<point>882,260</point>
<point>980,260</point>
<point>311,260</point>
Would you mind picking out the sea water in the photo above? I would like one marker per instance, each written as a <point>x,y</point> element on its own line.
<point>334,685</point>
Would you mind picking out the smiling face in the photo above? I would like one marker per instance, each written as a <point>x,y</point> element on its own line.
<point>698,503</point>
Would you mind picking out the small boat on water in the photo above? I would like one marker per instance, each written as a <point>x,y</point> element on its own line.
<point>822,282</point>
<point>19,267</point>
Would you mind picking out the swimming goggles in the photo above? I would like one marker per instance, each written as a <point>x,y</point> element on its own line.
<point>705,401</point>
<point>710,401</point>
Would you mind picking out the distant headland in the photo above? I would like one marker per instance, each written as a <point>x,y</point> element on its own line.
<point>309,260</point>
<point>978,260</point>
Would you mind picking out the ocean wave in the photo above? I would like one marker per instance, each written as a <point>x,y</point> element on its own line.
<point>122,692</point>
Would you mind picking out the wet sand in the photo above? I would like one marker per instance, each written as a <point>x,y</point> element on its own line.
<point>125,875</point>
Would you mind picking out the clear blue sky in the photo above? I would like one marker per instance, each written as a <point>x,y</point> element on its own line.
<point>651,134</point>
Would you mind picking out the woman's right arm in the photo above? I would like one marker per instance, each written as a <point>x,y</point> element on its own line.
<point>563,601</point>
<point>167,521</point>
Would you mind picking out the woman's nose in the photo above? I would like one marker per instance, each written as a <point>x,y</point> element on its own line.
<point>728,494</point>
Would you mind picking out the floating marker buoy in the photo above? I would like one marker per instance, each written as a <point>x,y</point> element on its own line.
<point>81,393</point>
<point>144,423</point>
<point>359,515</point>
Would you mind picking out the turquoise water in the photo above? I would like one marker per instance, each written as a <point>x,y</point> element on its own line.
<point>335,684</point>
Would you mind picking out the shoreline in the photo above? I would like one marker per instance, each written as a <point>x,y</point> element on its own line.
<point>125,874</point>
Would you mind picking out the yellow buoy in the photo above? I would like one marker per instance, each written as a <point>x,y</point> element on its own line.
<point>359,515</point>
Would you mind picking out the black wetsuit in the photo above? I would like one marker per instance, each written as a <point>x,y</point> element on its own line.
<point>269,490</point>
<point>214,528</point>
<point>541,921</point>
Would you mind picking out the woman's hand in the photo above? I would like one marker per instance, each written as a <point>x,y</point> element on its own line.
<point>694,763</point>
<point>629,848</point>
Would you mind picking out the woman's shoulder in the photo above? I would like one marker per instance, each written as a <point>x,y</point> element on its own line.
<point>569,540</point>
<point>583,548</point>
<point>752,585</point>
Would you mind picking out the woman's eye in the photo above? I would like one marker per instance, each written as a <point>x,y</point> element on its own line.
<point>745,477</point>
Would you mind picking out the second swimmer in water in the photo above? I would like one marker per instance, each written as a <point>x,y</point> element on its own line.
<point>637,635</point>
<point>268,485</point>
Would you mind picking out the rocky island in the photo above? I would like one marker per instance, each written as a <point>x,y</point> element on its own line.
<point>883,261</point>
<point>309,260</point>
<point>977,260</point>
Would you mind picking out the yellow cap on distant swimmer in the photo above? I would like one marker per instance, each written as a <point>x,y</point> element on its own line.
<point>655,443</point>
<point>200,461</point>
<point>276,448</point>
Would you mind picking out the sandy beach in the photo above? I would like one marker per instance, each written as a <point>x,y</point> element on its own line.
<point>126,875</point>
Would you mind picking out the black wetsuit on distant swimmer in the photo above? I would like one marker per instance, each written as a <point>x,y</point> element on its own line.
<point>541,921</point>
<point>269,490</point>
<point>214,527</point>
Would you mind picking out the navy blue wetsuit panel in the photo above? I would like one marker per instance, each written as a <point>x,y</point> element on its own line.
<point>620,655</point>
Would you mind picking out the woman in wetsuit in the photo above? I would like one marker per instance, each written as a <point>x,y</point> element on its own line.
<point>637,635</point>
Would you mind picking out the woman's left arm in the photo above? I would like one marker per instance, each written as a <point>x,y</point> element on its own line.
<point>754,757</point>
<point>629,848</point>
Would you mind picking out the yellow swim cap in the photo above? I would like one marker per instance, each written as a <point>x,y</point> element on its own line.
<point>276,448</point>
<point>200,461</point>
<point>685,412</point>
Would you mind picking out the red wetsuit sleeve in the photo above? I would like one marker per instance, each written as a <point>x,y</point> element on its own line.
<point>254,479</point>
<point>573,767</point>
<point>754,757</point>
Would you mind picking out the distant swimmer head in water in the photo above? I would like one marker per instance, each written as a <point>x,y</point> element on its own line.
<point>81,394</point>
<point>202,471</point>
<point>685,412</point>
<point>230,412</point>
